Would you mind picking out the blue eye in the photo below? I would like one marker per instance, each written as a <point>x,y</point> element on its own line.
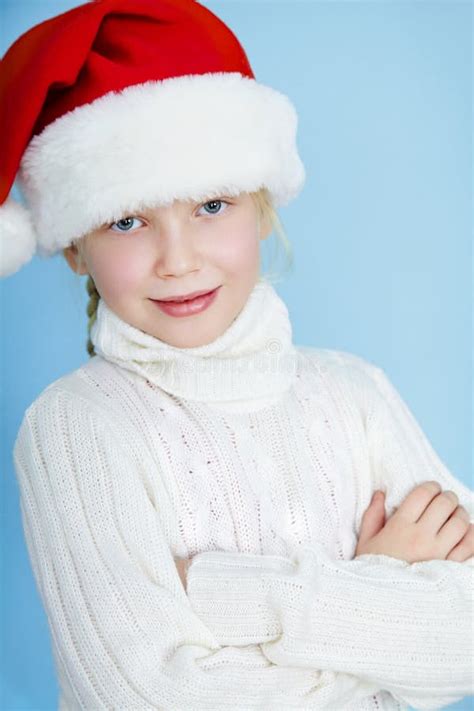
<point>215,206</point>
<point>125,224</point>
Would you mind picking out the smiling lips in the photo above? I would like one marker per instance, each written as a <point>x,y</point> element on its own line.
<point>187,307</point>
<point>186,297</point>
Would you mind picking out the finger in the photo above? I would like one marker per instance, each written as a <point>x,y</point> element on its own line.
<point>465,548</point>
<point>414,505</point>
<point>373,519</point>
<point>454,530</point>
<point>438,511</point>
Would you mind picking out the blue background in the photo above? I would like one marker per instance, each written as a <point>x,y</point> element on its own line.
<point>381,236</point>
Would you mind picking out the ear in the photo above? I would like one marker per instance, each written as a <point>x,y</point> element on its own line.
<point>265,227</point>
<point>73,258</point>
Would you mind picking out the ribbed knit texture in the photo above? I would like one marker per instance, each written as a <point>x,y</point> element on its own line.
<point>139,456</point>
<point>254,361</point>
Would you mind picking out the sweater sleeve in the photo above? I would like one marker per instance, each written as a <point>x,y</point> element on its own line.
<point>406,627</point>
<point>122,630</point>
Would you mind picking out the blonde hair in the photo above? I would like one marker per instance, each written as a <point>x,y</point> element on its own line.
<point>265,211</point>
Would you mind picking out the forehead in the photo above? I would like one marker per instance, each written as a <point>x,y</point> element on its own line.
<point>190,203</point>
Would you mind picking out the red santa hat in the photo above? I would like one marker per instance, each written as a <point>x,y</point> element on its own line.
<point>120,104</point>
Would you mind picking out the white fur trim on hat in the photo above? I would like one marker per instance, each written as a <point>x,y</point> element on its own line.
<point>17,237</point>
<point>189,137</point>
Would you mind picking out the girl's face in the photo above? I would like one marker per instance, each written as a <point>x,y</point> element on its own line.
<point>172,251</point>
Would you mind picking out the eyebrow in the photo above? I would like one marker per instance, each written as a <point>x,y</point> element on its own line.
<point>149,210</point>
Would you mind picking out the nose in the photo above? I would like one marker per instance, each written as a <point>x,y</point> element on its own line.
<point>178,253</point>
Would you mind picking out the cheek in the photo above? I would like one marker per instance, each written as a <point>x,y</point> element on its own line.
<point>118,272</point>
<point>239,249</point>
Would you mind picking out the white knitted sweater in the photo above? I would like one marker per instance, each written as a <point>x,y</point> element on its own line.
<point>257,459</point>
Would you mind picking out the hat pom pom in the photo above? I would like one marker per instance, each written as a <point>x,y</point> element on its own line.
<point>17,237</point>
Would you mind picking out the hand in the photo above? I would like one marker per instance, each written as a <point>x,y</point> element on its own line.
<point>182,565</point>
<point>428,525</point>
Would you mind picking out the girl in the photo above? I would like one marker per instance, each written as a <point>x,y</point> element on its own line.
<point>197,498</point>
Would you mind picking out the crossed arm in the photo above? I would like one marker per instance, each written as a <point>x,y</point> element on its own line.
<point>252,630</point>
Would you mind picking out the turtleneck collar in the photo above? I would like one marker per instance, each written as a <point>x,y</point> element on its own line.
<point>254,360</point>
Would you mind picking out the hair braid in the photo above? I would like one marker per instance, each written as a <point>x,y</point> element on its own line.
<point>94,297</point>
